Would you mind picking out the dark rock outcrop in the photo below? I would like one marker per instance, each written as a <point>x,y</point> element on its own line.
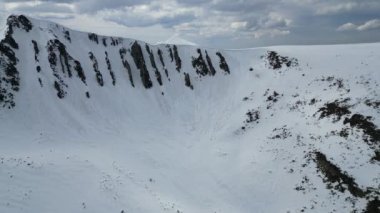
<point>153,63</point>
<point>66,33</point>
<point>277,61</point>
<point>93,37</point>
<point>170,52</point>
<point>104,40</point>
<point>57,53</point>
<point>20,21</point>
<point>10,40</point>
<point>9,78</point>
<point>126,65</point>
<point>336,109</point>
<point>335,178</point>
<point>109,67</point>
<point>114,42</point>
<point>138,57</point>
<point>60,92</point>
<point>178,61</point>
<point>55,50</point>
<point>36,50</point>
<point>80,72</point>
<point>223,63</point>
<point>366,125</point>
<point>55,46</point>
<point>209,62</point>
<point>159,52</point>
<point>187,81</point>
<point>99,76</point>
<point>200,65</point>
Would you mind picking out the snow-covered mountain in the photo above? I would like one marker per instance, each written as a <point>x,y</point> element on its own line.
<point>90,123</point>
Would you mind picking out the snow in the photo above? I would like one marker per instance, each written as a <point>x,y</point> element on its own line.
<point>176,39</point>
<point>3,20</point>
<point>135,150</point>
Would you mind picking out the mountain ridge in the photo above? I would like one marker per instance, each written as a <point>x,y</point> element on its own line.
<point>59,39</point>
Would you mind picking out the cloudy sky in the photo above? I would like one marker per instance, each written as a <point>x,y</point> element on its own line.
<point>215,23</point>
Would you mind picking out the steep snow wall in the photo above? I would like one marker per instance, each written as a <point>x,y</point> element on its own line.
<point>50,72</point>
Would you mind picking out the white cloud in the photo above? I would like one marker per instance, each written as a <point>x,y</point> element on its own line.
<point>369,25</point>
<point>276,20</point>
<point>269,32</point>
<point>167,15</point>
<point>347,27</point>
<point>239,25</point>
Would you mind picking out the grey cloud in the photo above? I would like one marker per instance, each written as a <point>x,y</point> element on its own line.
<point>243,5</point>
<point>93,6</point>
<point>54,16</point>
<point>227,23</point>
<point>148,15</point>
<point>56,1</point>
<point>368,25</point>
<point>350,6</point>
<point>171,21</point>
<point>44,7</point>
<point>193,2</point>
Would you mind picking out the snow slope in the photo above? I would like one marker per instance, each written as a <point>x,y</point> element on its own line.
<point>266,134</point>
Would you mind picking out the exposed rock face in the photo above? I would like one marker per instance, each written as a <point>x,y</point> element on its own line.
<point>9,79</point>
<point>80,72</point>
<point>20,22</point>
<point>67,35</point>
<point>109,67</point>
<point>209,62</point>
<point>178,61</point>
<point>93,37</point>
<point>170,52</point>
<point>153,62</point>
<point>61,63</point>
<point>187,81</point>
<point>367,126</point>
<point>60,92</point>
<point>277,61</point>
<point>10,40</point>
<point>138,57</point>
<point>114,42</point>
<point>99,76</point>
<point>223,63</point>
<point>335,109</point>
<point>126,65</point>
<point>104,40</point>
<point>335,178</point>
<point>36,50</point>
<point>159,52</point>
<point>55,48</point>
<point>200,65</point>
